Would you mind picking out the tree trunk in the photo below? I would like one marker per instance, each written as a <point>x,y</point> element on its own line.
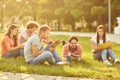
<point>2,16</point>
<point>59,28</point>
<point>73,26</point>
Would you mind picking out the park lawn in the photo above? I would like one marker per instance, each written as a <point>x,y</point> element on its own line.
<point>86,68</point>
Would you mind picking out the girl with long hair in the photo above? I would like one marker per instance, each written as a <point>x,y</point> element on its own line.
<point>102,54</point>
<point>10,44</point>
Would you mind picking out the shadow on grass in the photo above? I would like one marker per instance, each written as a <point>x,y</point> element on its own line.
<point>42,69</point>
<point>84,68</point>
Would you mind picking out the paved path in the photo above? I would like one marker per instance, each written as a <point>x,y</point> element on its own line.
<point>21,76</point>
<point>112,37</point>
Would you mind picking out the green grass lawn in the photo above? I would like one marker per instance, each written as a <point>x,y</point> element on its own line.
<point>87,67</point>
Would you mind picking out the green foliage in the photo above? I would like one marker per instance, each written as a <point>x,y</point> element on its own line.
<point>59,12</point>
<point>70,11</point>
<point>46,14</point>
<point>87,67</point>
<point>77,14</point>
<point>98,10</point>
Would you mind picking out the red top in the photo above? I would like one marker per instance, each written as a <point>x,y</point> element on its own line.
<point>66,50</point>
<point>9,41</point>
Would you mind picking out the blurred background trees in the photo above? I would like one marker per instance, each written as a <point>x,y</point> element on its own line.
<point>72,15</point>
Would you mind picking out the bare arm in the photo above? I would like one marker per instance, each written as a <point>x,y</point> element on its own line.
<point>79,52</point>
<point>35,50</point>
<point>10,49</point>
<point>79,58</point>
<point>94,48</point>
<point>65,51</point>
<point>20,45</point>
<point>25,37</point>
<point>48,41</point>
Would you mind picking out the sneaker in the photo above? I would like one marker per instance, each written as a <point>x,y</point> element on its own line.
<point>62,63</point>
<point>116,61</point>
<point>107,62</point>
<point>55,43</point>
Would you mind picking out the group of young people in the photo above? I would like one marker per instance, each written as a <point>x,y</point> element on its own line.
<point>31,45</point>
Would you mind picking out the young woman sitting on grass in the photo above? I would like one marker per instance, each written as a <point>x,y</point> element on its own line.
<point>10,44</point>
<point>101,54</point>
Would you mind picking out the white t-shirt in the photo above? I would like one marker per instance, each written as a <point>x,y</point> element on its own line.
<point>94,39</point>
<point>33,40</point>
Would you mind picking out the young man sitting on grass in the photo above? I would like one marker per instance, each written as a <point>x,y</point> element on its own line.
<point>31,26</point>
<point>34,51</point>
<point>73,49</point>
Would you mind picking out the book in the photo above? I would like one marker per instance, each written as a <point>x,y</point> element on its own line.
<point>105,45</point>
<point>55,43</point>
<point>73,55</point>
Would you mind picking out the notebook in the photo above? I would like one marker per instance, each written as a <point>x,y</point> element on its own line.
<point>104,45</point>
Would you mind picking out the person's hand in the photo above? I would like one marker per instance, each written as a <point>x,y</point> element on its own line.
<point>93,51</point>
<point>21,46</point>
<point>79,59</point>
<point>96,50</point>
<point>110,46</point>
<point>48,41</point>
<point>52,49</point>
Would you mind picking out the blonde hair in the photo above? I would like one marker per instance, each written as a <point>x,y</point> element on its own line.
<point>43,28</point>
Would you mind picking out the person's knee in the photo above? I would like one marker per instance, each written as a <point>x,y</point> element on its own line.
<point>109,50</point>
<point>104,50</point>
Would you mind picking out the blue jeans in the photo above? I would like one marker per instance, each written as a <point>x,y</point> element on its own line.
<point>45,56</point>
<point>103,54</point>
<point>54,53</point>
<point>14,53</point>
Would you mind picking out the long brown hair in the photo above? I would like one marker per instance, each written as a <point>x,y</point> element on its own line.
<point>11,27</point>
<point>104,35</point>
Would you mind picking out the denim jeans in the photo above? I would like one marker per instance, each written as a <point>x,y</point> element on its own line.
<point>14,53</point>
<point>45,56</point>
<point>54,53</point>
<point>103,54</point>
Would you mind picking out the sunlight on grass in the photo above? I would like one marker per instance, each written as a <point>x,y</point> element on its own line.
<point>86,68</point>
<point>23,68</point>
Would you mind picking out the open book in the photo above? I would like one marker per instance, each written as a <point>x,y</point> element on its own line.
<point>104,45</point>
<point>73,55</point>
<point>55,43</point>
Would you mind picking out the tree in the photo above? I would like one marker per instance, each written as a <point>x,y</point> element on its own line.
<point>59,13</point>
<point>98,11</point>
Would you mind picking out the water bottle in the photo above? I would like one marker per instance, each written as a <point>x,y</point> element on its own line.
<point>69,57</point>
